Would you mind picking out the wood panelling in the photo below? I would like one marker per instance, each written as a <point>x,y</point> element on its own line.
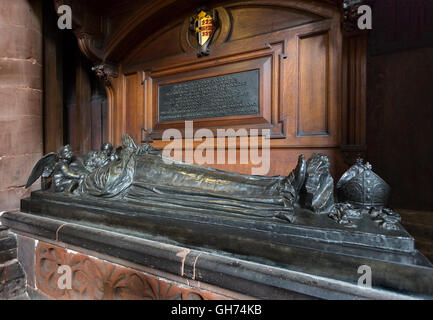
<point>53,82</point>
<point>164,43</point>
<point>81,135</point>
<point>313,78</point>
<point>353,112</point>
<point>297,49</point>
<point>75,102</point>
<point>299,78</point>
<point>96,121</point>
<point>132,109</point>
<point>420,226</point>
<point>355,98</point>
<point>295,45</point>
<point>399,130</point>
<point>399,125</point>
<point>312,88</point>
<point>264,61</point>
<point>110,29</point>
<point>250,21</point>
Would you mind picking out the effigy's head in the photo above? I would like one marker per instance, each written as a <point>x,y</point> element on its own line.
<point>65,152</point>
<point>107,148</point>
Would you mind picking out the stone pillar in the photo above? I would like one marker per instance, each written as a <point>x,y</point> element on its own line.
<point>21,137</point>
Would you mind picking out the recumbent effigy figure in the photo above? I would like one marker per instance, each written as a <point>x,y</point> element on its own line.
<point>141,174</point>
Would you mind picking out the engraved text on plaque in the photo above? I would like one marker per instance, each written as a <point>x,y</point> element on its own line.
<point>218,96</point>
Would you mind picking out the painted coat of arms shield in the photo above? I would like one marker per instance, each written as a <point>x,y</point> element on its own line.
<point>204,24</point>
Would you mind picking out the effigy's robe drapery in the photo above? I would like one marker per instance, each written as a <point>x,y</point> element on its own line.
<point>150,179</point>
<point>112,180</point>
<point>184,184</point>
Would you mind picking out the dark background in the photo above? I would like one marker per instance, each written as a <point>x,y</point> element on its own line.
<point>400,100</point>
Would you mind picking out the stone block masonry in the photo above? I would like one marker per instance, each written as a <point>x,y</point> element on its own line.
<point>21,138</point>
<point>12,276</point>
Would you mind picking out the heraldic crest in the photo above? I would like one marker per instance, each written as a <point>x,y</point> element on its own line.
<point>203,25</point>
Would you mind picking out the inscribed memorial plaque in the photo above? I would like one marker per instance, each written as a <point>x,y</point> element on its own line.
<point>220,96</point>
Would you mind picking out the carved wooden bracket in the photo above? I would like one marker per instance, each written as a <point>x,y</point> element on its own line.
<point>106,72</point>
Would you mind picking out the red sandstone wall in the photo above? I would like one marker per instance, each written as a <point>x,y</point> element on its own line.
<point>20,96</point>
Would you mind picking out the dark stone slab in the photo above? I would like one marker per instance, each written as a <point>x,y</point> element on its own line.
<point>304,273</point>
<point>12,280</point>
<point>269,239</point>
<point>191,259</point>
<point>154,255</point>
<point>3,231</point>
<point>33,225</point>
<point>7,243</point>
<point>26,256</point>
<point>273,283</point>
<point>6,255</point>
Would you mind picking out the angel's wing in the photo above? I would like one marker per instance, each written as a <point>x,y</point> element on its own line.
<point>46,162</point>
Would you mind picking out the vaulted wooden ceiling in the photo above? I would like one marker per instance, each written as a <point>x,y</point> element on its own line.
<point>108,29</point>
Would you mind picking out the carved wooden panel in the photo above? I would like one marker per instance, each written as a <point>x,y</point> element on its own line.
<point>353,112</point>
<point>295,46</point>
<point>164,43</point>
<point>266,61</point>
<point>251,20</point>
<point>134,115</point>
<point>313,85</point>
<point>95,279</point>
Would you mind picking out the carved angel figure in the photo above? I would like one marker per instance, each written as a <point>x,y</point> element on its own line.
<point>54,168</point>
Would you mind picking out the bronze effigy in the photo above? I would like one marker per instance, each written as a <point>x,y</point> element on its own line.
<point>137,191</point>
